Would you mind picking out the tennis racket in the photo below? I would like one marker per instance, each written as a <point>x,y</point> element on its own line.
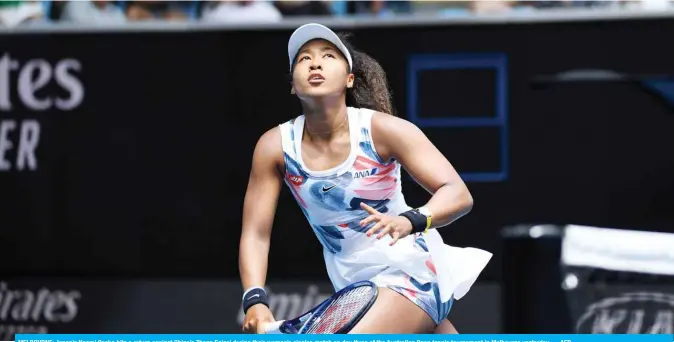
<point>336,315</point>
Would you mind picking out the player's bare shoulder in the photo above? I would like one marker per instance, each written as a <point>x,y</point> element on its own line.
<point>269,148</point>
<point>389,130</point>
<point>389,124</point>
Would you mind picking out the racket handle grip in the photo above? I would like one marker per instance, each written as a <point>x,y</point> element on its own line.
<point>273,328</point>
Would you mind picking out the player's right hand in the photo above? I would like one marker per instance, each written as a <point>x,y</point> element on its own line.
<point>257,317</point>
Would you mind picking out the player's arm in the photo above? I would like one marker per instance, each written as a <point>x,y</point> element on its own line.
<point>259,207</point>
<point>401,140</point>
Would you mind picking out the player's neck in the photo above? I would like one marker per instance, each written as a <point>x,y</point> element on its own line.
<point>323,121</point>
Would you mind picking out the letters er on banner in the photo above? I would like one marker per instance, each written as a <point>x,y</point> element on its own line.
<point>27,88</point>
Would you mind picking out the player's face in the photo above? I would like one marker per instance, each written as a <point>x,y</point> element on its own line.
<point>320,70</point>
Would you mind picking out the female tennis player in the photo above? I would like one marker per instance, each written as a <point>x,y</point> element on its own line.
<point>342,161</point>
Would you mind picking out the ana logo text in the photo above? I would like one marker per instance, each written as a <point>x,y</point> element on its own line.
<point>365,173</point>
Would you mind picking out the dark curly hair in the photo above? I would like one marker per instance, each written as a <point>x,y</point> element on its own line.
<point>370,87</point>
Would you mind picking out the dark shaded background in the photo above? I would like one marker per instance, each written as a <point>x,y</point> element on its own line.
<point>146,178</point>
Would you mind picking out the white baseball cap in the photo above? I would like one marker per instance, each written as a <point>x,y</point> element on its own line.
<point>308,32</point>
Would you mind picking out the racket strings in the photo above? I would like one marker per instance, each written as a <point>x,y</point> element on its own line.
<point>341,311</point>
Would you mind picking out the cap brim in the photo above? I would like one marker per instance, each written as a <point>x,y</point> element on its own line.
<point>309,32</point>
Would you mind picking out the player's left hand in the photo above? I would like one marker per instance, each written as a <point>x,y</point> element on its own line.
<point>396,226</point>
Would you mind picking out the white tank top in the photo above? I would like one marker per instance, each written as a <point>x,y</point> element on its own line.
<point>330,200</point>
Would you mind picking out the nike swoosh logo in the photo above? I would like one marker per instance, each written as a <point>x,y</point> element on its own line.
<point>329,188</point>
<point>253,296</point>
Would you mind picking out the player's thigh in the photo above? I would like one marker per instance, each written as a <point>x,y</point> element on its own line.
<point>392,313</point>
<point>445,327</point>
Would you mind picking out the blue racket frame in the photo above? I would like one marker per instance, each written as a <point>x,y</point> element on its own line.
<point>302,323</point>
